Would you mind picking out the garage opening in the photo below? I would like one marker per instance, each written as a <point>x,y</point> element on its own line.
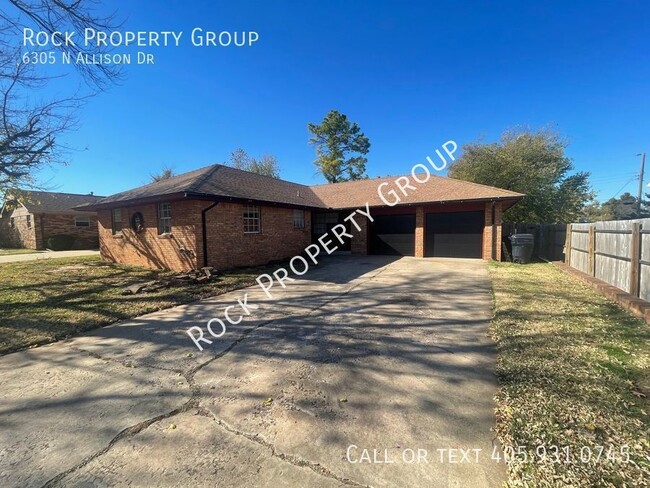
<point>324,222</point>
<point>454,234</point>
<point>393,235</point>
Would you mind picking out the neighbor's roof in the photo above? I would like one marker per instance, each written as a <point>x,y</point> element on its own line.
<point>225,182</point>
<point>355,194</point>
<point>52,202</point>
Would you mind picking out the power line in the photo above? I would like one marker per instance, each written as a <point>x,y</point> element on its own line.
<point>617,177</point>
<point>628,182</point>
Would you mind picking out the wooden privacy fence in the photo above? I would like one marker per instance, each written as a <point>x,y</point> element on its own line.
<point>549,238</point>
<point>617,252</point>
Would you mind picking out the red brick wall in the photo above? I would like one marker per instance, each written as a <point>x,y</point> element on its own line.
<point>359,243</point>
<point>19,235</point>
<point>419,232</point>
<point>5,232</point>
<point>498,221</point>
<point>149,249</point>
<point>488,244</point>
<point>55,224</point>
<point>44,226</point>
<point>229,247</point>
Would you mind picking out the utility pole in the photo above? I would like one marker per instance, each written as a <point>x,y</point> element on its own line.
<point>638,200</point>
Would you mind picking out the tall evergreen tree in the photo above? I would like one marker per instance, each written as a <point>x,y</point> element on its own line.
<point>340,148</point>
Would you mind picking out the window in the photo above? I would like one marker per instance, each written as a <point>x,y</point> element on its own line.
<point>251,219</point>
<point>117,221</point>
<point>298,219</point>
<point>323,221</point>
<point>12,222</point>
<point>29,221</point>
<point>164,218</point>
<point>82,221</point>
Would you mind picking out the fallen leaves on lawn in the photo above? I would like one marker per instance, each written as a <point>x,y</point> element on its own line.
<point>570,364</point>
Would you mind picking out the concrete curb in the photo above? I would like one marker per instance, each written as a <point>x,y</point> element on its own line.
<point>632,304</point>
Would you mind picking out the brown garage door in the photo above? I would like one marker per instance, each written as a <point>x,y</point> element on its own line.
<point>454,234</point>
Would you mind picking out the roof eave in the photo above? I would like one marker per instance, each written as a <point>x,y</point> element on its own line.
<point>131,201</point>
<point>222,198</point>
<point>508,198</point>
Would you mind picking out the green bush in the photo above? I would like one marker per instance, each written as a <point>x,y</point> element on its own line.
<point>60,242</point>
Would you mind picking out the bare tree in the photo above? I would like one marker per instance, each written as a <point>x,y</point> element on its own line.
<point>52,16</point>
<point>164,174</point>
<point>30,126</point>
<point>28,131</point>
<point>267,165</point>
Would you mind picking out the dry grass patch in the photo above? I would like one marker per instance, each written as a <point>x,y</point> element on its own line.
<point>51,299</point>
<point>574,372</point>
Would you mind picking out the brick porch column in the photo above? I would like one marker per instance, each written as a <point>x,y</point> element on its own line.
<point>487,232</point>
<point>492,232</point>
<point>359,243</point>
<point>419,232</point>
<point>498,215</point>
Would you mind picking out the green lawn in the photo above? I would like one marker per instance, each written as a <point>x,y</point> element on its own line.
<point>7,252</point>
<point>574,370</point>
<point>47,300</point>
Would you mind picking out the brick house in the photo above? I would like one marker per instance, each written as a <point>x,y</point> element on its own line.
<point>224,217</point>
<point>29,218</point>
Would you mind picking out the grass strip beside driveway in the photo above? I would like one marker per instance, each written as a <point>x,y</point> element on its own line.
<point>574,371</point>
<point>48,300</point>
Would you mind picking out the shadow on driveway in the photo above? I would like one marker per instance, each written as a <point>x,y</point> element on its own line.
<point>379,353</point>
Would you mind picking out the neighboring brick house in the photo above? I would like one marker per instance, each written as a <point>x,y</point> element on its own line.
<point>224,217</point>
<point>29,218</point>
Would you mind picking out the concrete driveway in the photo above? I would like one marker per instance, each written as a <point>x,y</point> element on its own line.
<point>367,372</point>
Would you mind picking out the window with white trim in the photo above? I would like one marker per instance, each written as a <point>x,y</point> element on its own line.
<point>298,219</point>
<point>164,218</point>
<point>252,219</point>
<point>116,221</point>
<point>82,221</point>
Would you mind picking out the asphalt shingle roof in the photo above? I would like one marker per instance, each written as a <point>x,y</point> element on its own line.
<point>223,181</point>
<point>53,202</point>
<point>354,194</point>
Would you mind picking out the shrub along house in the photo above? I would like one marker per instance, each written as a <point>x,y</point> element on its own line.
<point>224,217</point>
<point>41,220</point>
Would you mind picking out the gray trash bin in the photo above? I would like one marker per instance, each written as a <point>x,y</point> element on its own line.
<point>522,247</point>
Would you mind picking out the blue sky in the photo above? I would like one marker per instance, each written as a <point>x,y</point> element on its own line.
<point>412,74</point>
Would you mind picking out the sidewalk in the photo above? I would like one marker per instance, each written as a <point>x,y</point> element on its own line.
<point>13,258</point>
